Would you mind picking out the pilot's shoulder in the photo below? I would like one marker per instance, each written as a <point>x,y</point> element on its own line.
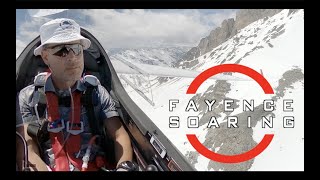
<point>91,80</point>
<point>40,79</point>
<point>27,88</point>
<point>26,92</point>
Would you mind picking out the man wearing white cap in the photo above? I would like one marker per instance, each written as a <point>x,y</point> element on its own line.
<point>71,143</point>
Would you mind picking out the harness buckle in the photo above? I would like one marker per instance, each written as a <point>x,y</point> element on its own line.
<point>53,126</point>
<point>75,131</point>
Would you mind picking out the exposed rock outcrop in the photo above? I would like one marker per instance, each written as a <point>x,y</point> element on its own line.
<point>228,29</point>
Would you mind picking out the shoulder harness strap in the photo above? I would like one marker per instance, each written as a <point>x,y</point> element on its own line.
<point>39,99</point>
<point>90,100</point>
<point>91,105</point>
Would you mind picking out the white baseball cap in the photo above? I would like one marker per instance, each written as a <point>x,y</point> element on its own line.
<point>59,31</point>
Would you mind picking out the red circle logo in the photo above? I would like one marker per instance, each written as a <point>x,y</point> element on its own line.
<point>264,84</point>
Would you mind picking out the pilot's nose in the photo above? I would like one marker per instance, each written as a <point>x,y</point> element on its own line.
<point>71,56</point>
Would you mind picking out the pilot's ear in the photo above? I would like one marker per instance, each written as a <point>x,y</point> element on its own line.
<point>44,56</point>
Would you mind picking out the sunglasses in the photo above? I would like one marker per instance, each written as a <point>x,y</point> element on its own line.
<point>64,49</point>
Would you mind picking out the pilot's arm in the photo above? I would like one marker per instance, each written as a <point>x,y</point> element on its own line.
<point>114,127</point>
<point>36,163</point>
<point>122,143</point>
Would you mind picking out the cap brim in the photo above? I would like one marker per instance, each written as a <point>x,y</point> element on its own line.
<point>61,39</point>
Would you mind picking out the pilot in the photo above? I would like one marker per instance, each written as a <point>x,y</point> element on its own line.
<point>67,138</point>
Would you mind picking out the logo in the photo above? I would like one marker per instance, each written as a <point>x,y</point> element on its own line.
<point>66,24</point>
<point>192,89</point>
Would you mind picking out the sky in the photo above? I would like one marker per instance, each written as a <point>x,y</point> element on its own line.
<point>277,55</point>
<point>134,28</point>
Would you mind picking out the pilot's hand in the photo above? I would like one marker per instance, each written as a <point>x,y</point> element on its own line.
<point>127,166</point>
<point>122,170</point>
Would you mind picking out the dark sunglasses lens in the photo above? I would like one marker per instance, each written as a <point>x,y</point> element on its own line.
<point>76,48</point>
<point>64,51</point>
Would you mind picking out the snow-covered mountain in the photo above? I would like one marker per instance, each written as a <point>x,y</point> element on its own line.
<point>273,46</point>
<point>219,35</point>
<point>162,56</point>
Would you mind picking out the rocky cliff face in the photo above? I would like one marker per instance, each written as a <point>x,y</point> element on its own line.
<point>246,16</point>
<point>228,29</point>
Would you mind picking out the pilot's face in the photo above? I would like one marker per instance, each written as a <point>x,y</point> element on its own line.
<point>64,60</point>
